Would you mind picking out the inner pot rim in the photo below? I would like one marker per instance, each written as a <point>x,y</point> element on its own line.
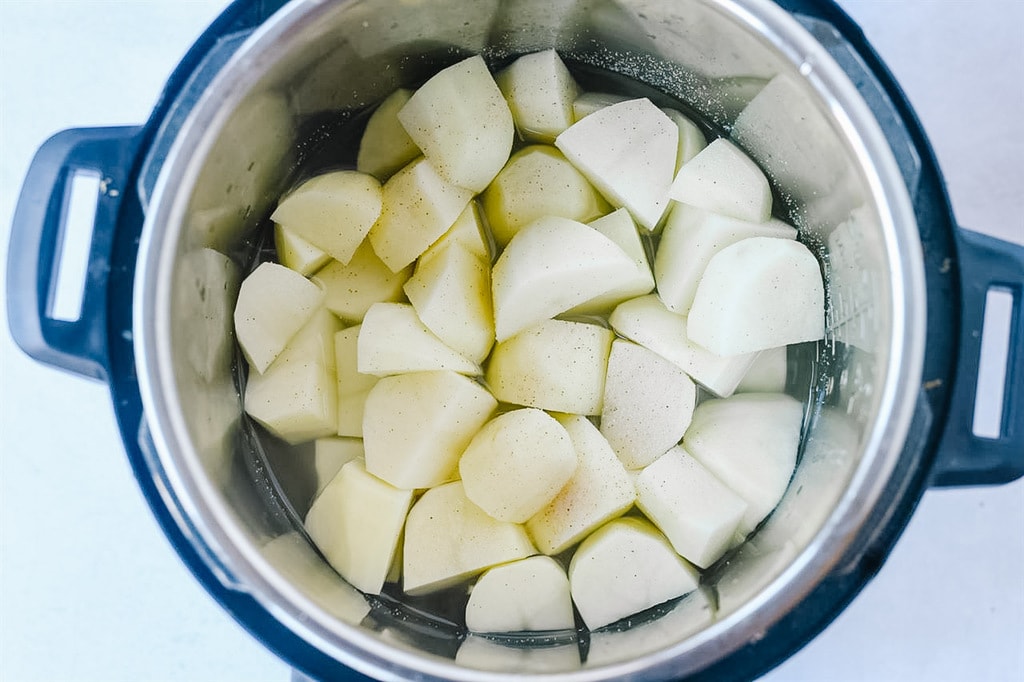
<point>210,524</point>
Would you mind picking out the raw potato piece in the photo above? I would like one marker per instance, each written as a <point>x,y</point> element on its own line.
<point>690,239</point>
<point>540,92</point>
<point>296,399</point>
<point>767,374</point>
<point>600,490</point>
<point>356,522</point>
<point>550,266</point>
<point>353,387</point>
<point>333,211</point>
<point>351,289</point>
<point>648,403</point>
<point>722,179</point>
<point>449,539</point>
<point>750,442</point>
<point>295,253</point>
<point>757,294</point>
<point>516,464</point>
<point>649,323</point>
<point>623,568</point>
<point>697,513</point>
<point>628,151</point>
<point>419,206</point>
<point>415,426</point>
<point>393,340</point>
<point>620,228</point>
<point>330,454</point>
<point>460,120</point>
<point>527,595</point>
<point>273,304</point>
<point>451,293</point>
<point>538,181</point>
<point>385,146</point>
<point>691,139</point>
<point>589,102</point>
<point>556,365</point>
<point>468,232</point>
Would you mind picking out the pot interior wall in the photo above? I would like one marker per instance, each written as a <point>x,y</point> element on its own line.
<point>293,108</point>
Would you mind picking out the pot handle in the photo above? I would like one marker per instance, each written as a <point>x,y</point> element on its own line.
<point>964,458</point>
<point>37,236</point>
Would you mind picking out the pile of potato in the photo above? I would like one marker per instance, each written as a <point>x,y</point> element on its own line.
<point>495,371</point>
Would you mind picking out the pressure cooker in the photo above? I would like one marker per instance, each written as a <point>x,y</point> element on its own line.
<point>889,393</point>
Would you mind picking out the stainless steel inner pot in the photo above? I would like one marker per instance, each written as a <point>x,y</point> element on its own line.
<point>746,67</point>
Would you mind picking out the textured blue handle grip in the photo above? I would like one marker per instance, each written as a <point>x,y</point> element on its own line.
<point>79,345</point>
<point>963,458</point>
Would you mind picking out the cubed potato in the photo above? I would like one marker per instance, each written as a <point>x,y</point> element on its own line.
<point>697,512</point>
<point>385,147</point>
<point>690,239</point>
<point>415,426</point>
<point>451,293</point>
<point>356,523</point>
<point>295,253</point>
<point>589,102</point>
<point>468,231</point>
<point>620,228</point>
<point>516,464</point>
<point>540,92</point>
<point>768,373</point>
<point>393,340</point>
<point>691,139</point>
<point>273,304</point>
<point>600,489</point>
<point>625,567</point>
<point>648,403</point>
<point>628,151</point>
<point>723,179</point>
<point>332,211</point>
<point>330,454</point>
<point>449,539</point>
<point>419,206</point>
<point>353,386</point>
<point>528,595</point>
<point>756,294</point>
<point>556,365</point>
<point>646,321</point>
<point>350,290</point>
<point>460,120</point>
<point>750,443</point>
<point>550,266</point>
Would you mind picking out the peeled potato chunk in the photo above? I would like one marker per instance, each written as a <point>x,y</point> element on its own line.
<point>697,513</point>
<point>538,181</point>
<point>750,443</point>
<point>623,568</point>
<point>599,490</point>
<point>330,454</point>
<point>628,151</point>
<point>468,232</point>
<point>451,293</point>
<point>273,304</point>
<point>691,139</point>
<point>690,239</point>
<point>356,523</point>
<point>353,386</point>
<point>723,179</point>
<point>527,595</point>
<point>393,340</point>
<point>419,205</point>
<point>385,147</point>
<point>619,227</point>
<point>350,290</point>
<point>648,403</point>
<point>516,463</point>
<point>295,253</point>
<point>333,211</point>
<point>556,365</point>
<point>757,294</point>
<point>460,120</point>
<point>449,539</point>
<point>415,426</point>
<point>589,102</point>
<point>550,266</point>
<point>646,321</point>
<point>767,374</point>
<point>540,92</point>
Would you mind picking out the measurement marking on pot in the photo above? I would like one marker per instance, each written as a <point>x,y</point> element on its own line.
<point>995,349</point>
<point>76,238</point>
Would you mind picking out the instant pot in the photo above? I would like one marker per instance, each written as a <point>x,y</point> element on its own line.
<point>889,393</point>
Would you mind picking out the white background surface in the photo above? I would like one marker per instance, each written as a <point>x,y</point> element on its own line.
<point>89,587</point>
